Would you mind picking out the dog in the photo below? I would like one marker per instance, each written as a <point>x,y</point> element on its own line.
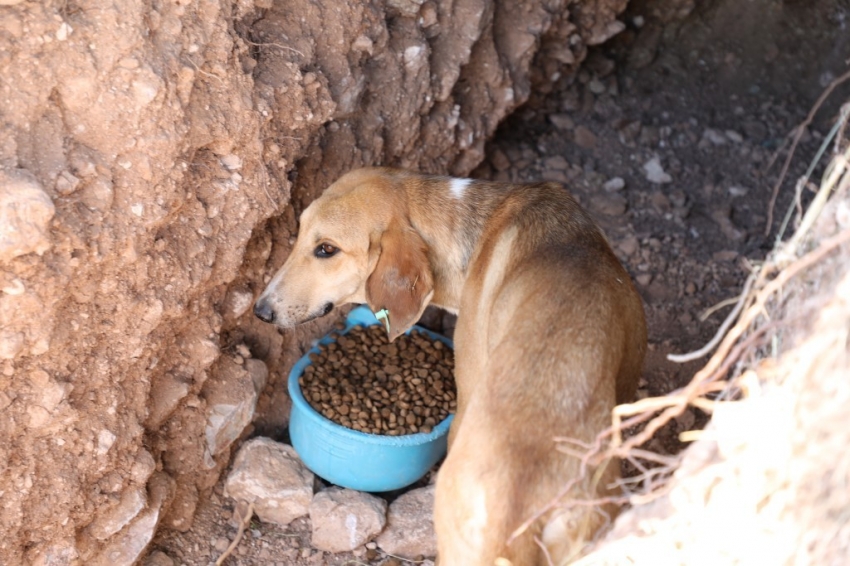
<point>550,336</point>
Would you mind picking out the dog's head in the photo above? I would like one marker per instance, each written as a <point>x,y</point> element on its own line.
<point>355,245</point>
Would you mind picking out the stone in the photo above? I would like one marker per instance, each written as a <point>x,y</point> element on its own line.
<point>733,136</point>
<point>231,395</point>
<point>127,547</point>
<point>609,204</point>
<point>628,246</point>
<point>167,391</point>
<point>715,137</point>
<point>258,371</point>
<point>66,183</point>
<point>408,8</point>
<point>116,518</point>
<point>11,344</point>
<point>755,130</point>
<point>231,162</point>
<point>596,86</point>
<point>237,302</point>
<point>410,525</point>
<point>644,279</point>
<point>344,519</point>
<point>25,215</point>
<point>721,217</point>
<point>562,121</point>
<point>615,184</point>
<point>271,476</point>
<point>555,175</point>
<point>499,160</point>
<point>56,553</point>
<point>158,558</point>
<point>143,467</point>
<point>655,172</point>
<point>584,138</point>
<point>724,255</point>
<point>181,514</point>
<point>556,162</point>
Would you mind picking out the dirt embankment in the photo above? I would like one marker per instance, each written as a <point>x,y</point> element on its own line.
<point>144,146</point>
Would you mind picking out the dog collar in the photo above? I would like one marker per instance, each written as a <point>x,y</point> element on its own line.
<point>384,315</point>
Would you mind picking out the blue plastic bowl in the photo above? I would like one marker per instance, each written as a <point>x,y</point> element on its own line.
<point>356,460</point>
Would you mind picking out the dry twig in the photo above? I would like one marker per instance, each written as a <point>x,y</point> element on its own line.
<point>797,135</point>
<point>246,519</point>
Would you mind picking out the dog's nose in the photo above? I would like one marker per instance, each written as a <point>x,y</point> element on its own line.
<point>264,311</point>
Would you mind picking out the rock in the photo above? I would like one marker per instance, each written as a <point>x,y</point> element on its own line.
<point>614,184</point>
<point>555,175</point>
<point>584,138</point>
<point>271,475</point>
<point>724,255</point>
<point>755,130</point>
<point>116,518</point>
<point>596,86</point>
<point>655,172</point>
<point>158,558</point>
<point>733,136</point>
<point>628,246</point>
<point>143,467</point>
<point>181,514</point>
<point>167,391</point>
<point>258,371</point>
<point>643,51</point>
<point>11,344</point>
<point>556,162</point>
<point>126,548</point>
<point>231,396</point>
<point>344,519</point>
<point>721,217</point>
<point>715,137</point>
<point>66,183</point>
<point>610,204</point>
<point>644,279</point>
<point>237,302</point>
<point>56,553</point>
<point>406,7</point>
<point>25,214</point>
<point>562,121</point>
<point>231,162</point>
<point>410,525</point>
<point>499,160</point>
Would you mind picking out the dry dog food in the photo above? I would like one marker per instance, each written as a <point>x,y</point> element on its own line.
<point>363,382</point>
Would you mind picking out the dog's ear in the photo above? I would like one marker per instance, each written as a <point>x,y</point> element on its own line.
<point>401,282</point>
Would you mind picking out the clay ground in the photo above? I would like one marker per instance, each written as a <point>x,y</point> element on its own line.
<point>710,98</point>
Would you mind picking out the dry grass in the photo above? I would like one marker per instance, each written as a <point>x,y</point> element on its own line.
<point>768,481</point>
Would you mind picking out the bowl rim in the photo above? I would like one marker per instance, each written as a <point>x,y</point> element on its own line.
<point>360,316</point>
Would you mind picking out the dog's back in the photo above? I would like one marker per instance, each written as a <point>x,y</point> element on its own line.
<point>550,336</point>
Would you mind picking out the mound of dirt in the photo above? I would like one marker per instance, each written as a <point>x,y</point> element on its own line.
<point>143,148</point>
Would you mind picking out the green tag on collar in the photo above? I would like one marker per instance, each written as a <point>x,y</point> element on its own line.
<point>384,315</point>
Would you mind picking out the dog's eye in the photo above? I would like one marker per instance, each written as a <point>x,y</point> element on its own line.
<point>325,250</point>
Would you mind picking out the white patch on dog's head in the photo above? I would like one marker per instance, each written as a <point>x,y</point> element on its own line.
<point>457,187</point>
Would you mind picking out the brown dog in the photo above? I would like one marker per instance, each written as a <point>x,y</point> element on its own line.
<point>550,335</point>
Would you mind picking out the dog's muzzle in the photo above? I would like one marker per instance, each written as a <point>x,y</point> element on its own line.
<point>264,311</point>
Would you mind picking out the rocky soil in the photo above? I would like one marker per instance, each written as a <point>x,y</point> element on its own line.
<point>668,135</point>
<point>153,159</point>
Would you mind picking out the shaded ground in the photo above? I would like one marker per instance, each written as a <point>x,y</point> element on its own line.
<point>709,99</point>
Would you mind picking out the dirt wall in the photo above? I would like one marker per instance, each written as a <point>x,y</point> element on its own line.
<point>153,159</point>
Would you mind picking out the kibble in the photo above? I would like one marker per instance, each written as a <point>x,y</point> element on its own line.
<point>364,383</point>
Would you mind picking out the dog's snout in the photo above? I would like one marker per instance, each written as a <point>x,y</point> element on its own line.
<point>264,311</point>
